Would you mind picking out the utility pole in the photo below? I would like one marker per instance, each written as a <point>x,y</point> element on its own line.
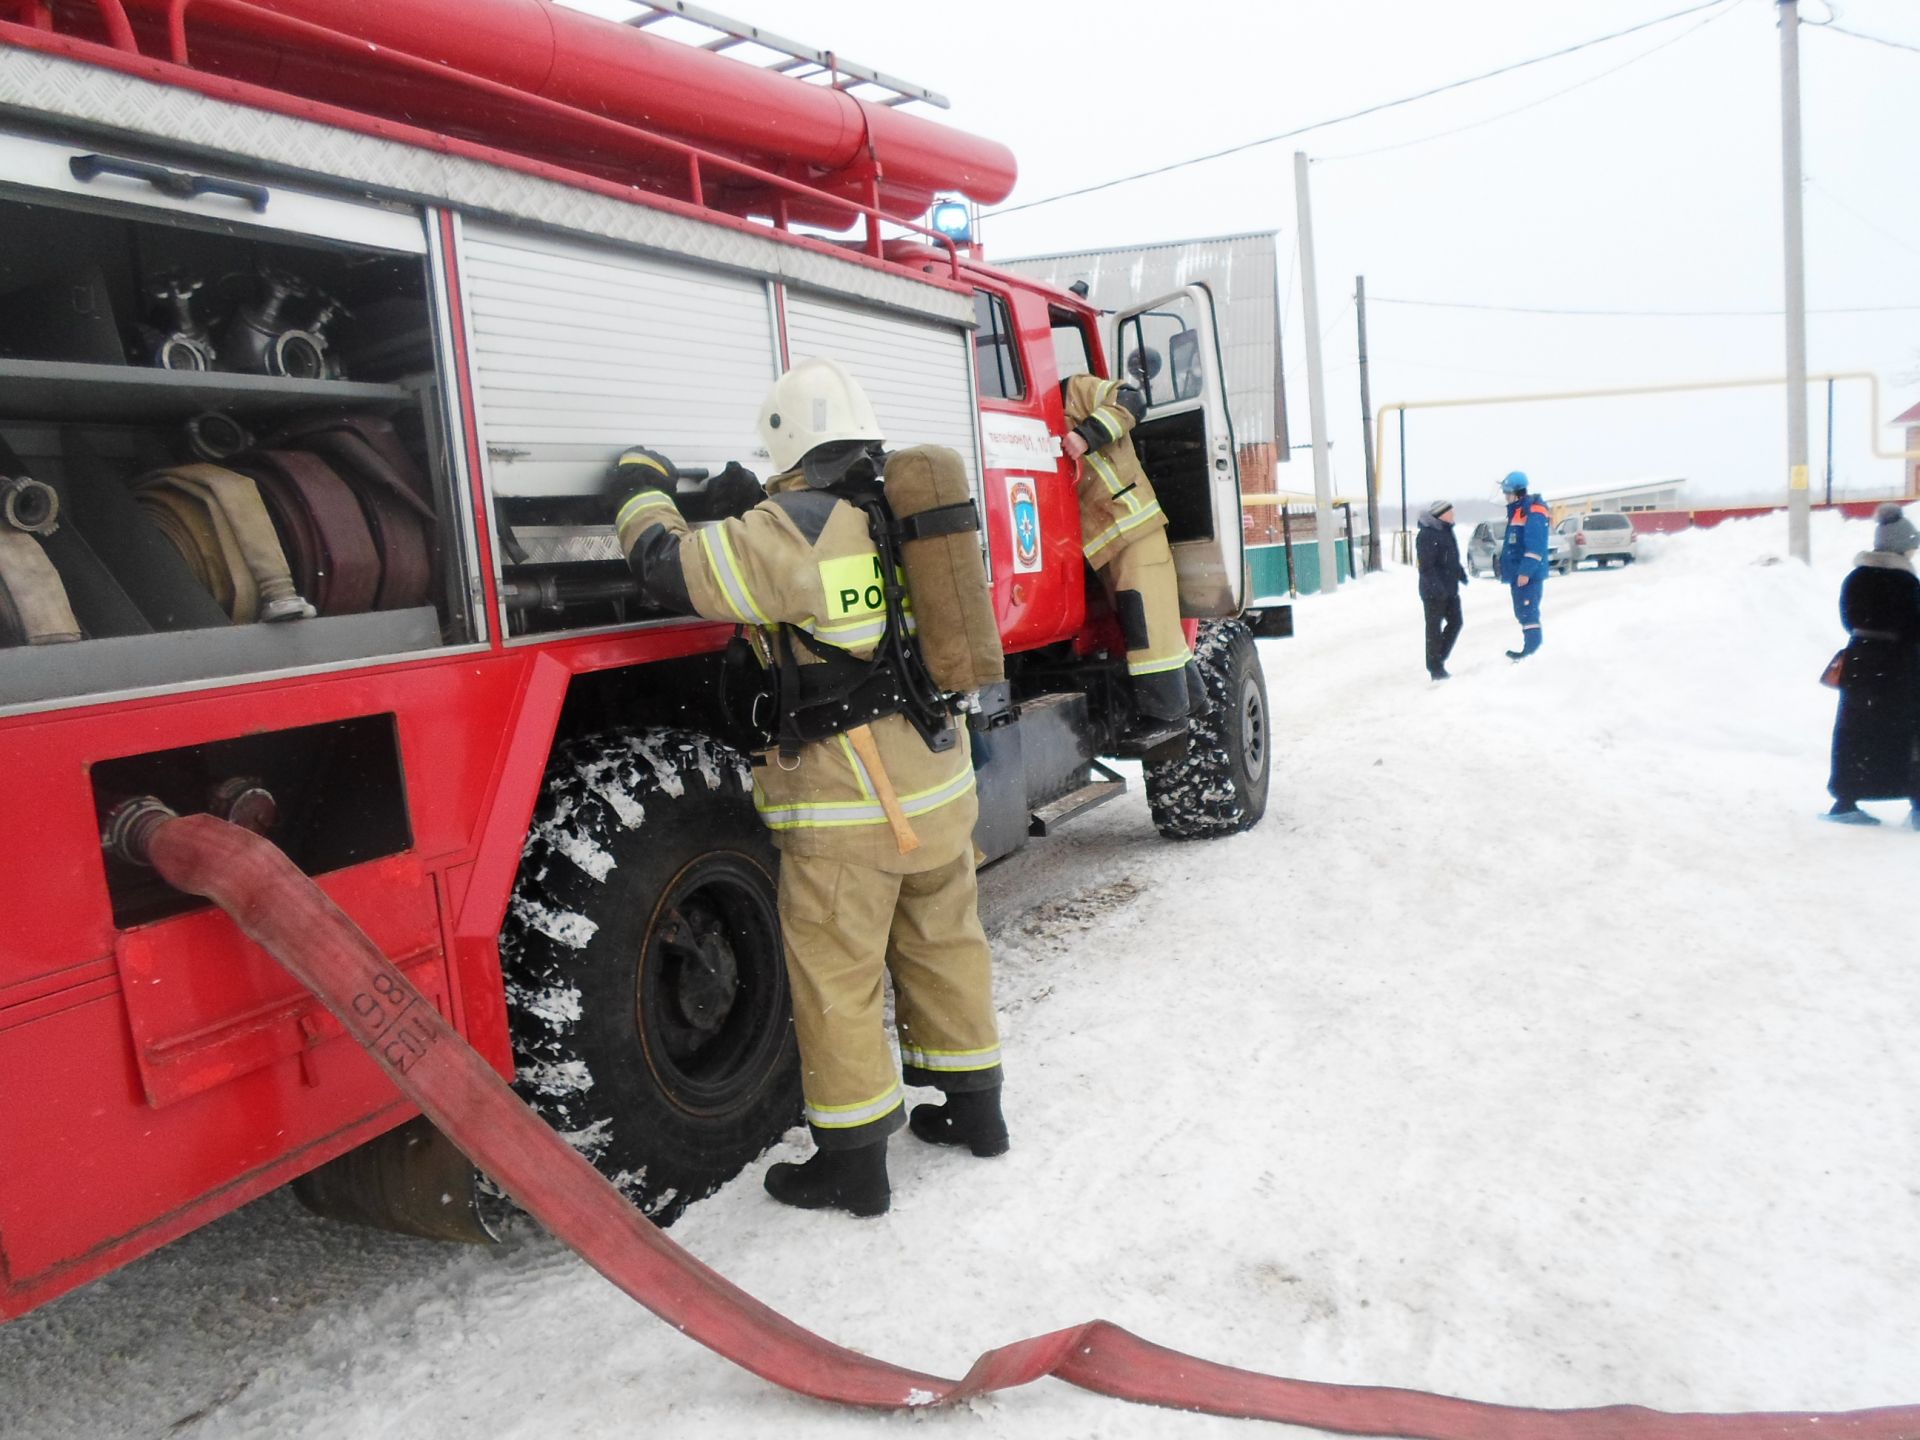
<point>1366,430</point>
<point>1406,545</point>
<point>1829,440</point>
<point>1797,544</point>
<point>1316,398</point>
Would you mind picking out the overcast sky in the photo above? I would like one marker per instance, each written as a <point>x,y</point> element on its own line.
<point>1656,187</point>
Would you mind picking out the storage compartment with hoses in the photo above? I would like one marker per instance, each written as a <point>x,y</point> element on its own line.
<point>190,458</point>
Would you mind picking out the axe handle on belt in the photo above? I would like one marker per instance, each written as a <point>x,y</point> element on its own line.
<point>861,738</point>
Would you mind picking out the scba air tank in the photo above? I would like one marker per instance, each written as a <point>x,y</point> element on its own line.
<point>933,508</point>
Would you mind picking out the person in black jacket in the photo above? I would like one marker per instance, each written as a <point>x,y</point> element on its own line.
<point>1876,733</point>
<point>1436,552</point>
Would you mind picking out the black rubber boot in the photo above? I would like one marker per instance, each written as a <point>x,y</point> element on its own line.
<point>967,1117</point>
<point>851,1180</point>
<point>1846,812</point>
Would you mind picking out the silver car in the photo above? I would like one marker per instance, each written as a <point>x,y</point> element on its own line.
<point>1604,538</point>
<point>1488,539</point>
<point>1483,547</point>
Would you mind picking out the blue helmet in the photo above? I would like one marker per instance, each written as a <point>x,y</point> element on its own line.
<point>1516,480</point>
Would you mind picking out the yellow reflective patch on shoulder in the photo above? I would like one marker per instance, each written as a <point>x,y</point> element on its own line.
<point>852,586</point>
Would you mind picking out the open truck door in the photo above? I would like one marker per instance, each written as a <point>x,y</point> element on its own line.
<point>1170,349</point>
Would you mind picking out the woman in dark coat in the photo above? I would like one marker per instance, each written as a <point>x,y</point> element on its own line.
<point>1876,735</point>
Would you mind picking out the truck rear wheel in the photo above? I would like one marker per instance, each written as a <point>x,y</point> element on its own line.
<point>1219,787</point>
<point>646,986</point>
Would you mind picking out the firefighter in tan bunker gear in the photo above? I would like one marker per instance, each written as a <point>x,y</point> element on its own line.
<point>800,567</point>
<point>1123,533</point>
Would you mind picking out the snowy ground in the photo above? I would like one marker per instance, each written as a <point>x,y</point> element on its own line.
<point>1539,1047</point>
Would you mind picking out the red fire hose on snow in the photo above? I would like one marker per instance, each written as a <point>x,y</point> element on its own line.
<point>285,913</point>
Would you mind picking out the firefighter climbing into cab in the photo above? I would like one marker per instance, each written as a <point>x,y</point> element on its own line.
<point>867,782</point>
<point>1123,533</point>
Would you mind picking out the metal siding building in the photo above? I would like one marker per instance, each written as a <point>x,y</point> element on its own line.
<point>1243,273</point>
<point>1660,493</point>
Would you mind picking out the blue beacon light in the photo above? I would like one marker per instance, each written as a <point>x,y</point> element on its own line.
<point>951,219</point>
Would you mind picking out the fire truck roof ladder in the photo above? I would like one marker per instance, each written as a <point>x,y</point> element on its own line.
<point>719,34</point>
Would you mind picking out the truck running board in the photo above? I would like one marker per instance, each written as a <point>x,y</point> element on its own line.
<point>1075,803</point>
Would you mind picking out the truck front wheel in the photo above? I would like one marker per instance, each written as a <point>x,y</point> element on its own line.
<point>646,987</point>
<point>1219,787</point>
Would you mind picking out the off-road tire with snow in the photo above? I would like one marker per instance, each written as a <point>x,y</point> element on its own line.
<point>646,987</point>
<point>1219,786</point>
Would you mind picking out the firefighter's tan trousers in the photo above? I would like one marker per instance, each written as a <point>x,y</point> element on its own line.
<point>1146,598</point>
<point>846,926</point>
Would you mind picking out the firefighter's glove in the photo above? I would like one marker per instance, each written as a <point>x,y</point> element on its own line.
<point>1091,435</point>
<point>727,496</point>
<point>639,468</point>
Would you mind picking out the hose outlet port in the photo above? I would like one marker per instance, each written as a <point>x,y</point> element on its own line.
<point>129,828</point>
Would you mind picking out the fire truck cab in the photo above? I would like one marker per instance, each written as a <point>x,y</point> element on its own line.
<point>318,332</point>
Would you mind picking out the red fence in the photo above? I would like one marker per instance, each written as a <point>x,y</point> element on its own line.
<point>1666,522</point>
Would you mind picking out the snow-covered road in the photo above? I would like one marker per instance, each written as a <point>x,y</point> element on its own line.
<point>1539,1047</point>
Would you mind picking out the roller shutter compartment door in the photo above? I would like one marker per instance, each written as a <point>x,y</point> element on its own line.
<point>916,374</point>
<point>580,350</point>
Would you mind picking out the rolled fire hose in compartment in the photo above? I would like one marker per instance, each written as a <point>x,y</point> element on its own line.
<point>366,452</point>
<point>219,524</point>
<point>33,602</point>
<point>293,921</point>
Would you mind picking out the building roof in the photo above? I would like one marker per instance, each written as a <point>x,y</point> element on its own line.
<point>1907,417</point>
<point>1618,492</point>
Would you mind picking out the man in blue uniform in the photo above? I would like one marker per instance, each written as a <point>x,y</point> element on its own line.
<point>1523,559</point>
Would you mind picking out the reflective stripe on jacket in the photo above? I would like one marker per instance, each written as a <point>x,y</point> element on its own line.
<point>1117,503</point>
<point>804,559</point>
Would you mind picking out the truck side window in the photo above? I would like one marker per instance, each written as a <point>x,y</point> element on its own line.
<point>1069,344</point>
<point>995,349</point>
<point>1162,355</point>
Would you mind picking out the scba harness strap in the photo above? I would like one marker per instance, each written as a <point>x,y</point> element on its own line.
<point>840,690</point>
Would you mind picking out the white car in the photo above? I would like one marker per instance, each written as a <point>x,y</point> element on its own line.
<point>1602,537</point>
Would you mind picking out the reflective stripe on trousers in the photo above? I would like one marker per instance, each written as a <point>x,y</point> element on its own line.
<point>846,929</point>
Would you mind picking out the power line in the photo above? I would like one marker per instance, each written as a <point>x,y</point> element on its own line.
<point>1636,314</point>
<point>1355,114</point>
<point>1872,225</point>
<point>1839,29</point>
<point>1531,104</point>
<point>1329,328</point>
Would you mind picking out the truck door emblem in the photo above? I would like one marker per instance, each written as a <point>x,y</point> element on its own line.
<point>1023,505</point>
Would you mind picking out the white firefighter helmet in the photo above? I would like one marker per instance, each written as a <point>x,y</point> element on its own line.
<point>815,403</point>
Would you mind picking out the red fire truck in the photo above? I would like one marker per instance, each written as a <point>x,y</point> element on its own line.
<point>320,323</point>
